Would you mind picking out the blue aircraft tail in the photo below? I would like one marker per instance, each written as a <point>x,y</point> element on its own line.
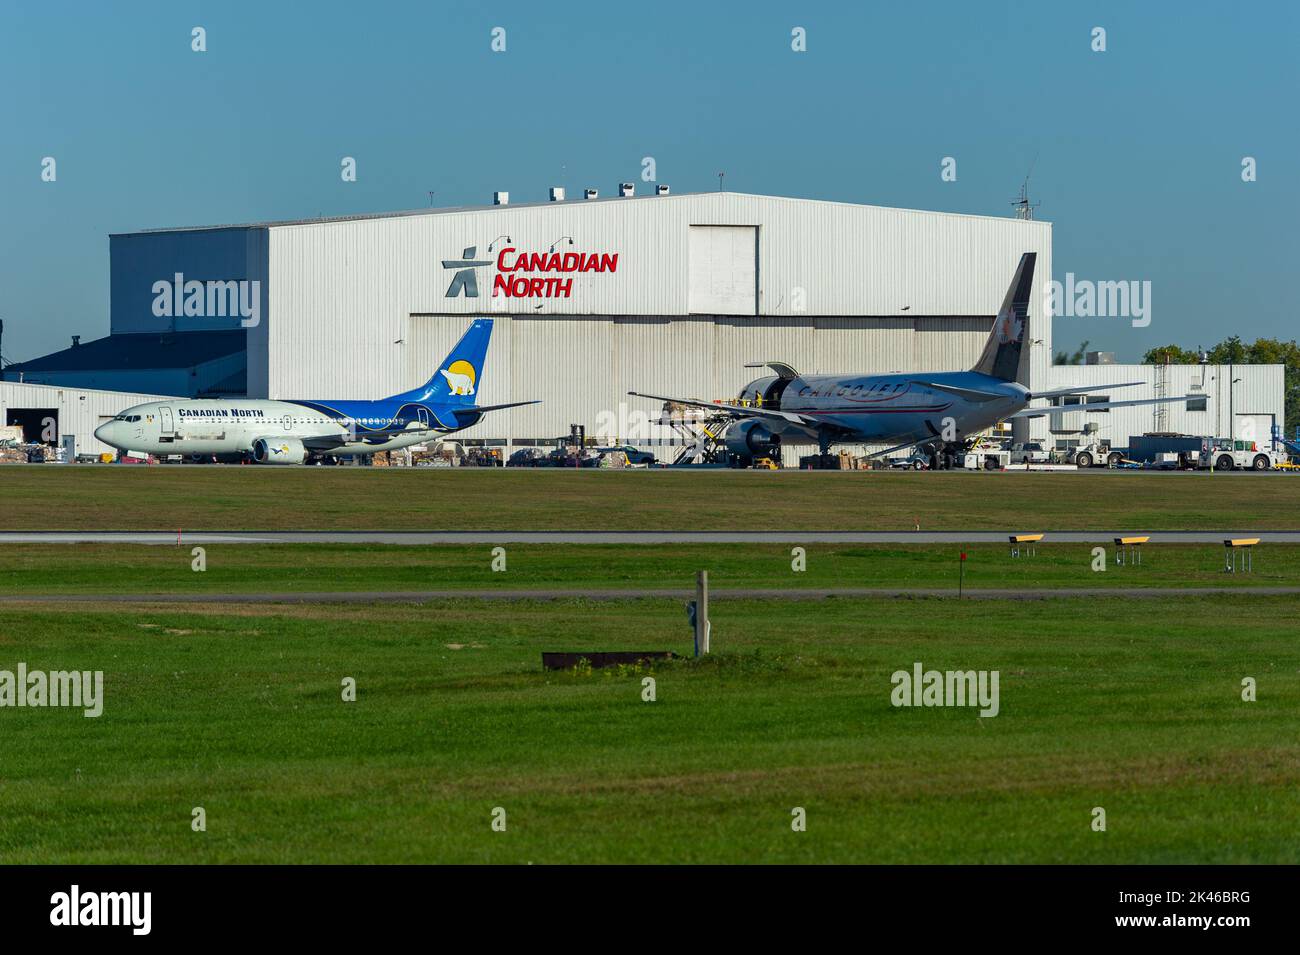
<point>459,377</point>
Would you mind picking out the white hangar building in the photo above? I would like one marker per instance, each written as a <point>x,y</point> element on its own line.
<point>51,414</point>
<point>668,294</point>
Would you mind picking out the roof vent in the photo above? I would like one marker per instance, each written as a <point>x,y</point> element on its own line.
<point>661,190</point>
<point>557,193</point>
<point>626,189</point>
<point>590,194</point>
<point>76,340</point>
<point>500,198</point>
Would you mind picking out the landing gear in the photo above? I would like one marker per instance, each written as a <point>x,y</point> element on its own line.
<point>946,457</point>
<point>825,460</point>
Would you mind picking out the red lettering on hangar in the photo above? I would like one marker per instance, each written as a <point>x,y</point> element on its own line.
<point>510,262</point>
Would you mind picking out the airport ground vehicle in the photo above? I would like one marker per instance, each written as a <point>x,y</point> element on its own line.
<point>1175,461</point>
<point>1222,454</point>
<point>913,462</point>
<point>985,458</point>
<point>634,455</point>
<point>1029,452</point>
<point>527,458</point>
<point>565,458</point>
<point>476,457</point>
<point>1098,452</point>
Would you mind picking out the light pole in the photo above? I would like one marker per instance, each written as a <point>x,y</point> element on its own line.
<point>1232,417</point>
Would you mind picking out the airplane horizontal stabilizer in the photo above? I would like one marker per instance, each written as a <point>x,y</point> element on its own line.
<point>1062,392</point>
<point>1054,410</point>
<point>480,409</point>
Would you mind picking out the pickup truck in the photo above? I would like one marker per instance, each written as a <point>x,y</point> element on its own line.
<point>1029,452</point>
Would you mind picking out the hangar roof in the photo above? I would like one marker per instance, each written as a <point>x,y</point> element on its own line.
<point>448,210</point>
<point>135,351</point>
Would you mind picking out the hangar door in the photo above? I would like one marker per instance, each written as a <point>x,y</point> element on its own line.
<point>723,270</point>
<point>40,425</point>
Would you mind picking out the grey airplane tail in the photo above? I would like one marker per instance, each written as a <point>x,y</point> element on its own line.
<point>1001,357</point>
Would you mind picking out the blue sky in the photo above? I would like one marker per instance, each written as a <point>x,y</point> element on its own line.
<point>1137,151</point>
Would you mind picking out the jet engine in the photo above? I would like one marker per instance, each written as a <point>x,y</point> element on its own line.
<point>752,439</point>
<point>279,451</point>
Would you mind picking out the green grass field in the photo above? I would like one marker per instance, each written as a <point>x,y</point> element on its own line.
<point>138,569</point>
<point>1131,706</point>
<point>262,498</point>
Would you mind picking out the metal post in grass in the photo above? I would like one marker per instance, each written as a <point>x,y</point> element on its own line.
<point>961,573</point>
<point>702,611</point>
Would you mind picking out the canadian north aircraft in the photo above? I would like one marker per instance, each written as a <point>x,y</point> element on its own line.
<point>288,432</point>
<point>938,411</point>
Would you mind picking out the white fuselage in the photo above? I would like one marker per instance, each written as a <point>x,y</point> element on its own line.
<point>230,427</point>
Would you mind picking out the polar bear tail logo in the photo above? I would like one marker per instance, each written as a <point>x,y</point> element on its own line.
<point>459,382</point>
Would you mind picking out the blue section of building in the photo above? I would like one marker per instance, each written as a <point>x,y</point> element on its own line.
<point>140,261</point>
<point>186,364</point>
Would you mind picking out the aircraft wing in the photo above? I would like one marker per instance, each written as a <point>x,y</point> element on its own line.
<point>1095,406</point>
<point>897,447</point>
<point>328,442</point>
<point>740,411</point>
<point>968,394</point>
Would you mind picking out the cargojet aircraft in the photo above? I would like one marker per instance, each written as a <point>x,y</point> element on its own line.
<point>288,432</point>
<point>938,411</point>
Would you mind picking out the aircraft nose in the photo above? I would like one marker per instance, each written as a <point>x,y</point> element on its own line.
<point>106,432</point>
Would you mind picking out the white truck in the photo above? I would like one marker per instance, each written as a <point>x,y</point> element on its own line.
<point>1030,452</point>
<point>1225,455</point>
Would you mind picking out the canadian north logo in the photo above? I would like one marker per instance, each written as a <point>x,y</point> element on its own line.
<point>464,280</point>
<point>526,274</point>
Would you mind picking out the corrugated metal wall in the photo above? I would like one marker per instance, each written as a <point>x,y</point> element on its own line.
<point>80,411</point>
<point>1259,392</point>
<point>359,308</point>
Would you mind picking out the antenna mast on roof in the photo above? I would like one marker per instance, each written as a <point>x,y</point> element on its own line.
<point>1024,208</point>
